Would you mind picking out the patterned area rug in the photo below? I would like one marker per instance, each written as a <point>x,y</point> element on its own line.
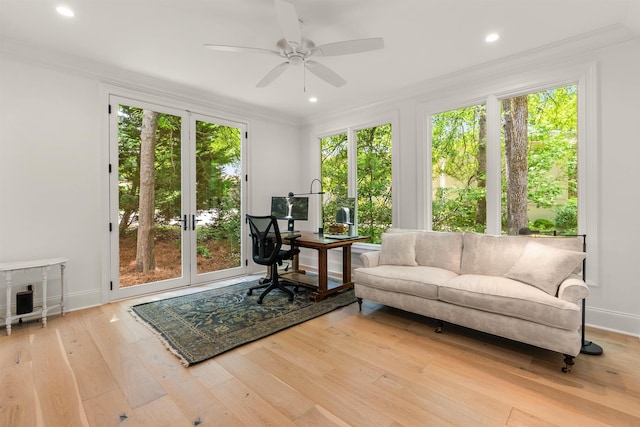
<point>200,326</point>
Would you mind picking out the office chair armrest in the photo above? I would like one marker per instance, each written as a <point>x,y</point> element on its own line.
<point>290,237</point>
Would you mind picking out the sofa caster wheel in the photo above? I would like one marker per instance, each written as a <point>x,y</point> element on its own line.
<point>439,327</point>
<point>359,304</point>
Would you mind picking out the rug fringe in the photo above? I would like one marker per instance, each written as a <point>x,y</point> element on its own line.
<point>162,339</point>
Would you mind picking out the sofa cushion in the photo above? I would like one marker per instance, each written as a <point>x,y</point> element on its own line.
<point>544,267</point>
<point>489,255</point>
<point>419,281</point>
<point>398,249</point>
<point>439,249</point>
<point>509,297</point>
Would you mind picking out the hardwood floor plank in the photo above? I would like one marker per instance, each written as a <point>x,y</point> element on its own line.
<point>519,418</point>
<point>92,373</point>
<point>192,398</point>
<point>163,412</point>
<point>325,392</point>
<point>250,408</point>
<point>111,409</point>
<point>17,398</point>
<point>278,394</point>
<point>378,367</point>
<point>55,386</point>
<point>137,383</point>
<point>319,417</point>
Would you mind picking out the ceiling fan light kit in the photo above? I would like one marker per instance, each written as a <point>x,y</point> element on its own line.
<point>297,50</point>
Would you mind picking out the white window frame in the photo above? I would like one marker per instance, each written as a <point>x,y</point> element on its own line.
<point>352,149</point>
<point>584,76</point>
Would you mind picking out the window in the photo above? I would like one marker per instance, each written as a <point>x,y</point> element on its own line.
<point>540,162</point>
<point>367,179</point>
<point>458,165</point>
<point>538,166</point>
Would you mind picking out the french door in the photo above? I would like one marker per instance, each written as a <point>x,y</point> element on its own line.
<point>176,198</point>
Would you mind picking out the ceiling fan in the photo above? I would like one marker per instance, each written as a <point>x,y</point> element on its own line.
<point>296,50</point>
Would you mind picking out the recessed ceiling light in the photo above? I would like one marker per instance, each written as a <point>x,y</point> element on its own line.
<point>313,99</point>
<point>65,11</point>
<point>492,37</point>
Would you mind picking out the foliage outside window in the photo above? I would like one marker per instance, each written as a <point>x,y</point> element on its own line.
<point>150,195</point>
<point>459,170</point>
<point>540,162</point>
<point>538,165</point>
<point>372,148</point>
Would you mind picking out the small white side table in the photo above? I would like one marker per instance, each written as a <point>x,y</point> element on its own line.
<point>8,268</point>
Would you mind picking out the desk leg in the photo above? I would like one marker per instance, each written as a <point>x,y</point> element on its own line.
<point>323,276</point>
<point>346,265</point>
<point>7,320</point>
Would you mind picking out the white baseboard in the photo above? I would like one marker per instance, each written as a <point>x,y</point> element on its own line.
<point>615,321</point>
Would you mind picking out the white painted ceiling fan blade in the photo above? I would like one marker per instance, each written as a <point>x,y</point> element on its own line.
<point>348,47</point>
<point>273,74</point>
<point>241,49</point>
<point>325,73</point>
<point>288,22</point>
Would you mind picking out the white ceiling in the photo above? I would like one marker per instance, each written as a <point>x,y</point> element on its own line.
<point>424,39</point>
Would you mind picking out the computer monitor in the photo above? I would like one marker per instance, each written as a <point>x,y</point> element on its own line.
<point>291,209</point>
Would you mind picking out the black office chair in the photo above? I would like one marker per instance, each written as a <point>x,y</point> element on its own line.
<point>266,249</point>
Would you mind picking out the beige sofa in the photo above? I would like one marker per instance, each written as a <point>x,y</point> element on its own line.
<point>524,288</point>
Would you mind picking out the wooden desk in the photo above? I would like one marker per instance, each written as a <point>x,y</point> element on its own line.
<point>8,268</point>
<point>321,283</point>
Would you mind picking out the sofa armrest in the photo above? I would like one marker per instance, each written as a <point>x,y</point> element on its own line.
<point>573,289</point>
<point>370,259</point>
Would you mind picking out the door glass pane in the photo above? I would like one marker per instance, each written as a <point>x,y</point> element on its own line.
<point>459,170</point>
<point>540,158</point>
<point>149,196</point>
<point>218,197</point>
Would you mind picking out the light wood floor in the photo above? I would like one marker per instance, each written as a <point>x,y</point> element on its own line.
<point>380,367</point>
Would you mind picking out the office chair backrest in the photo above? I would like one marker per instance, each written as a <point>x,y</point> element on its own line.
<point>265,238</point>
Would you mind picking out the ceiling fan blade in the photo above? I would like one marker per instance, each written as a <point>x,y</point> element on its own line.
<point>240,49</point>
<point>325,73</point>
<point>349,47</point>
<point>288,22</point>
<point>273,74</point>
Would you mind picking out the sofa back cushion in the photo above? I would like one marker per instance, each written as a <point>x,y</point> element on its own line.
<point>439,249</point>
<point>490,255</point>
<point>544,267</point>
<point>496,255</point>
<point>398,249</point>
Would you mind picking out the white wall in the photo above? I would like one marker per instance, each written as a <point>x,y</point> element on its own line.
<point>53,170</point>
<point>49,174</point>
<point>51,197</point>
<point>614,302</point>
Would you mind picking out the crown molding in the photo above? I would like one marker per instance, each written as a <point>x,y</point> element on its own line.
<point>114,76</point>
<point>582,47</point>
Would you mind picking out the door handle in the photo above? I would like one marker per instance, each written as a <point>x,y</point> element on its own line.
<point>193,222</point>
<point>184,223</point>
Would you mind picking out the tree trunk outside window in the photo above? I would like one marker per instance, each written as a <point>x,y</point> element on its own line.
<point>515,112</point>
<point>145,254</point>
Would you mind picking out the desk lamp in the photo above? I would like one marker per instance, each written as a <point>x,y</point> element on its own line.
<point>311,192</point>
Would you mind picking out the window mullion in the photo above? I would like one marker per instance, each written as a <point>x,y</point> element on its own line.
<point>352,158</point>
<point>493,187</point>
